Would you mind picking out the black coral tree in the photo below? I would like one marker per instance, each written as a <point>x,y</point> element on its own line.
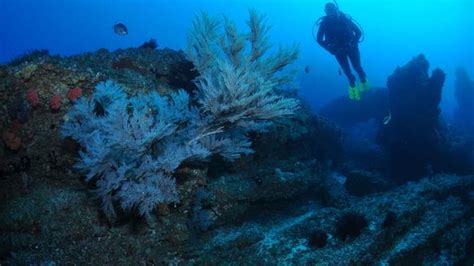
<point>131,146</point>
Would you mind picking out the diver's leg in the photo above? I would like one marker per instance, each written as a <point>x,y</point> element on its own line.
<point>343,61</point>
<point>354,56</point>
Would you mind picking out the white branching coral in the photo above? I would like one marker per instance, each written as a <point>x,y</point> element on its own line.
<point>132,146</point>
<point>238,74</point>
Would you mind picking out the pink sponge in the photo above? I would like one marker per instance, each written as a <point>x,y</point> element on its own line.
<point>32,97</point>
<point>74,93</point>
<point>55,103</point>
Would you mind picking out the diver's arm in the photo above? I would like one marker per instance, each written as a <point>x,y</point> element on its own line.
<point>355,30</point>
<point>320,36</point>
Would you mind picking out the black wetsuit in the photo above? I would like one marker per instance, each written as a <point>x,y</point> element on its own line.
<point>340,36</point>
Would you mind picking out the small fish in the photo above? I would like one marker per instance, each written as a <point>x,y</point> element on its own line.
<point>120,29</point>
<point>306,69</point>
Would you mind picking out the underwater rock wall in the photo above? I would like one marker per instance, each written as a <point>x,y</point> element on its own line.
<point>37,166</point>
<point>280,205</point>
<point>31,84</point>
<point>399,130</point>
<point>414,138</point>
<point>418,222</point>
<point>311,136</point>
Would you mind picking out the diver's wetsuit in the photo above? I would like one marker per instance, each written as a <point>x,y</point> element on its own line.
<point>341,38</point>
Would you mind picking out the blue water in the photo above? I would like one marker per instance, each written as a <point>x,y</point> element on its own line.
<point>395,31</point>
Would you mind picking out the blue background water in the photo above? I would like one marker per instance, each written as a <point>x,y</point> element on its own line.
<point>395,31</point>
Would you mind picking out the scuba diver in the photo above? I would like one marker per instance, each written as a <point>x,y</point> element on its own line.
<point>340,36</point>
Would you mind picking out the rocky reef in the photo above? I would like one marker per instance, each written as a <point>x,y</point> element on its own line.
<point>398,130</point>
<point>414,137</point>
<point>416,223</point>
<point>296,200</point>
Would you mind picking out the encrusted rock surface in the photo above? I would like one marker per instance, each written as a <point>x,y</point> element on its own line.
<point>262,209</point>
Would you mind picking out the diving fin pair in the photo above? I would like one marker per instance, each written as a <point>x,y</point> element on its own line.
<point>356,91</point>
